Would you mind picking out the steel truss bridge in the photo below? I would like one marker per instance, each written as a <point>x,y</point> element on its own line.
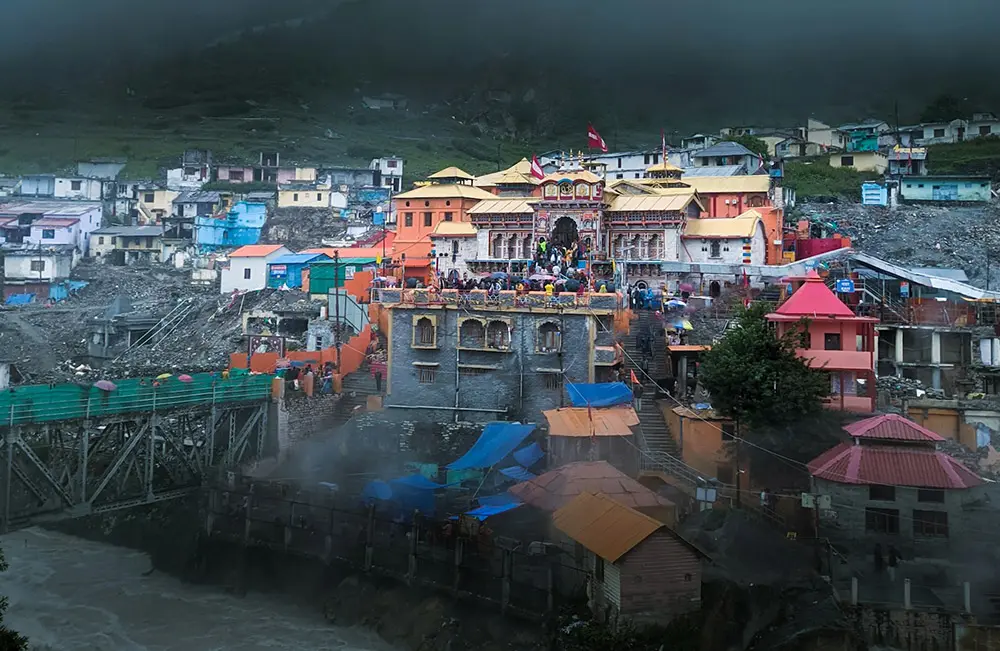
<point>68,451</point>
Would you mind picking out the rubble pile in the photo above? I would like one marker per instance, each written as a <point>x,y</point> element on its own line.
<point>901,387</point>
<point>960,237</point>
<point>301,228</point>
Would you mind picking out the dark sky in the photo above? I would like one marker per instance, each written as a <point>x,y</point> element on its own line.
<point>749,54</point>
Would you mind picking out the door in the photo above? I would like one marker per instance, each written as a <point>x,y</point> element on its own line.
<point>944,192</point>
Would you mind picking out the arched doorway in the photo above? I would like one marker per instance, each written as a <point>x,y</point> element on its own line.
<point>715,289</point>
<point>565,233</point>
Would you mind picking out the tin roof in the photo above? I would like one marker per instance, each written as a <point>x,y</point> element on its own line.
<point>55,222</point>
<point>299,258</point>
<point>256,250</point>
<point>892,465</point>
<point>454,229</point>
<point>496,206</point>
<point>445,191</point>
<point>451,173</point>
<point>198,197</point>
<point>890,427</point>
<point>721,170</point>
<point>604,526</point>
<point>517,174</point>
<point>814,298</point>
<point>580,421</point>
<point>725,148</point>
<point>744,226</point>
<point>557,487</point>
<point>669,202</point>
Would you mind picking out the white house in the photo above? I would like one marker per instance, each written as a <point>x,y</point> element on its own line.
<point>248,267</point>
<point>824,135</point>
<point>727,153</point>
<point>388,172</point>
<point>455,243</point>
<point>736,241</point>
<point>57,222</point>
<point>42,266</point>
<point>78,188</point>
<point>982,125</point>
<point>937,133</point>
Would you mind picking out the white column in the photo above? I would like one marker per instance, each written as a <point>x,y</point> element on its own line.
<point>935,347</point>
<point>899,346</point>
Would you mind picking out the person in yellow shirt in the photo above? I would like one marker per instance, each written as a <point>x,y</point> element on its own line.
<point>549,288</point>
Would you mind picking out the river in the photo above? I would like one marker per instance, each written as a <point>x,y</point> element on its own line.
<point>69,594</point>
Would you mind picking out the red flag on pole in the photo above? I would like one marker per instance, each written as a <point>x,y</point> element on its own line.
<point>634,379</point>
<point>536,168</point>
<point>594,139</point>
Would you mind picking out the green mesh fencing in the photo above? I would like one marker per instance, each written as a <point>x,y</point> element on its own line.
<point>47,403</point>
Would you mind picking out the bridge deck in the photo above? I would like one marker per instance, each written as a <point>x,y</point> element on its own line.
<point>49,403</point>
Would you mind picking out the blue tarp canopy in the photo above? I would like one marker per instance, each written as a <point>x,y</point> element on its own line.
<point>376,490</point>
<point>529,456</point>
<point>418,482</point>
<point>496,442</point>
<point>498,500</point>
<point>484,512</point>
<point>20,299</point>
<point>606,394</point>
<point>517,473</point>
<point>415,493</point>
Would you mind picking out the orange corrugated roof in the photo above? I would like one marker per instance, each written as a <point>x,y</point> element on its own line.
<point>580,421</point>
<point>255,250</point>
<point>352,252</point>
<point>602,525</point>
<point>556,488</point>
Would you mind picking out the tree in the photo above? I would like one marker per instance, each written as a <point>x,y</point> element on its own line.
<point>756,378</point>
<point>754,144</point>
<point>943,108</point>
<point>9,640</point>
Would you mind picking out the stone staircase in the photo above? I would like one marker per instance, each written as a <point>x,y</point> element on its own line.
<point>357,387</point>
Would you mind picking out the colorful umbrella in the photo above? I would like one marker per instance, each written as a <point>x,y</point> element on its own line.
<point>105,385</point>
<point>675,302</point>
<point>541,277</point>
<point>164,376</point>
<point>683,325</point>
<point>185,378</point>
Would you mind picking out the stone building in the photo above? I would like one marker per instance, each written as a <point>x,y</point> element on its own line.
<point>484,358</point>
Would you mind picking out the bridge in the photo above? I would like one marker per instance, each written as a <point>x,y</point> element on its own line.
<point>69,450</point>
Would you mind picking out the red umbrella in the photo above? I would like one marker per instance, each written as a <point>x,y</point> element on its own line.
<point>185,378</point>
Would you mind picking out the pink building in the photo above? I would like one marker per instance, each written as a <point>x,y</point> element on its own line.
<point>833,340</point>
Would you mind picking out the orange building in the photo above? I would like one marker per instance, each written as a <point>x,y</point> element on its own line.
<point>731,196</point>
<point>834,340</point>
<point>705,442</point>
<point>447,197</point>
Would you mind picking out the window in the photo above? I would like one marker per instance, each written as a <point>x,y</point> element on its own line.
<point>498,335</point>
<point>939,133</point>
<point>930,523</point>
<point>548,338</point>
<point>645,159</point>
<point>246,273</point>
<point>448,216</point>
<point>619,176</point>
<point>48,233</point>
<point>831,341</point>
<point>985,130</point>
<point>715,250</point>
<point>319,197</point>
<point>619,163</point>
<point>149,242</point>
<point>236,175</point>
<point>149,197</point>
<point>472,334</point>
<point>295,197</point>
<point>636,175</point>
<point>75,185</point>
<point>598,568</point>
<point>426,375</point>
<point>553,381</point>
<point>882,520</point>
<point>428,219</point>
<point>408,218</point>
<point>882,493</point>
<point>728,431</point>
<point>114,241</point>
<point>38,265</point>
<point>454,248</point>
<point>847,161</point>
<point>100,240</point>
<point>930,495</point>
<point>424,335</point>
<point>390,164</point>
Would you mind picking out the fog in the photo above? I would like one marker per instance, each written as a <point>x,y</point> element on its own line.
<point>753,57</point>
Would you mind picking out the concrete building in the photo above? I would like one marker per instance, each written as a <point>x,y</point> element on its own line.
<point>155,202</point>
<point>128,244</point>
<point>867,136</point>
<point>238,226</point>
<point>304,194</point>
<point>195,171</point>
<point>740,240</point>
<point>34,270</point>
<point>945,188</point>
<point>248,267</point>
<point>862,161</point>
<point>37,185</point>
<point>938,133</point>
<point>824,135</point>
<point>388,172</point>
<point>78,188</point>
<point>908,161</point>
<point>797,148</point>
<point>454,244</point>
<point>49,223</point>
<point>728,153</point>
<point>890,484</point>
<point>697,142</point>
<point>200,204</point>
<point>982,125</point>
<point>493,358</point>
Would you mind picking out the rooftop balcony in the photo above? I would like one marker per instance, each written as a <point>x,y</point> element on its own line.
<point>606,303</point>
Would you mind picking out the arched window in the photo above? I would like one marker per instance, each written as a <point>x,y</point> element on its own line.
<point>654,248</point>
<point>425,334</point>
<point>498,335</point>
<point>472,334</point>
<point>756,202</point>
<point>549,338</point>
<point>512,247</point>
<point>497,252</point>
<point>636,253</point>
<point>526,252</point>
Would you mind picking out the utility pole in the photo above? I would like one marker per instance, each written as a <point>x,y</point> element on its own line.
<point>739,498</point>
<point>336,303</point>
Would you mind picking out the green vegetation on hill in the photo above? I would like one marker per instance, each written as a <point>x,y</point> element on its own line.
<point>816,179</point>
<point>977,156</point>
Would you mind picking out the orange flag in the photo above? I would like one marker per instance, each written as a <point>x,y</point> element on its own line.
<point>634,379</point>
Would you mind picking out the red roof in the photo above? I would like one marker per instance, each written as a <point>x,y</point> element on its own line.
<point>558,487</point>
<point>892,466</point>
<point>56,222</point>
<point>814,298</point>
<point>255,250</point>
<point>891,427</point>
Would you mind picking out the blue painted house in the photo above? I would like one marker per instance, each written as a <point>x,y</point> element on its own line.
<point>239,226</point>
<point>945,188</point>
<point>287,270</point>
<point>864,136</point>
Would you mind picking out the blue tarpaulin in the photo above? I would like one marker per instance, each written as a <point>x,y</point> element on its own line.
<point>496,442</point>
<point>414,493</point>
<point>484,512</point>
<point>376,490</point>
<point>498,499</point>
<point>529,456</point>
<point>606,394</point>
<point>20,299</point>
<point>517,473</point>
<point>417,482</point>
